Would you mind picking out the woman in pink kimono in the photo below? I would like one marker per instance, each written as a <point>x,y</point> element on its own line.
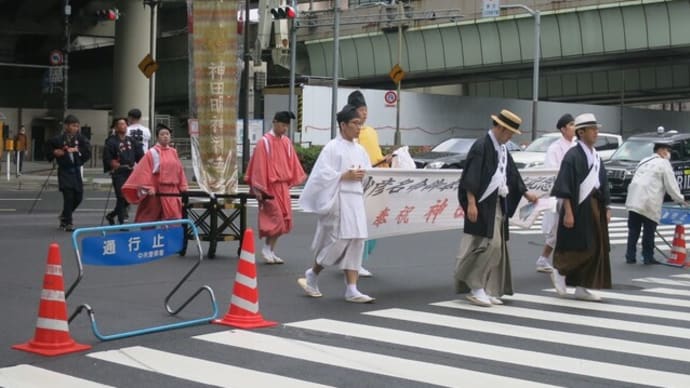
<point>159,171</point>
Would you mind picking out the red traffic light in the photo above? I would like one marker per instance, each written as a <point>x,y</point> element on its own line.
<point>283,13</point>
<point>110,14</point>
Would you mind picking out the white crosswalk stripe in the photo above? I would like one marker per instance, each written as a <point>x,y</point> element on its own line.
<point>618,232</point>
<point>537,339</point>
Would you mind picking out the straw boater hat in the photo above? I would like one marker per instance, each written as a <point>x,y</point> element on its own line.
<point>586,120</point>
<point>509,120</point>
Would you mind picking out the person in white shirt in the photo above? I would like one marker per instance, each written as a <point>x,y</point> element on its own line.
<point>554,157</point>
<point>653,178</point>
<point>137,131</point>
<point>334,191</point>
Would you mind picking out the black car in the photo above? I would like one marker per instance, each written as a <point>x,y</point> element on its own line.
<point>451,153</point>
<point>621,167</point>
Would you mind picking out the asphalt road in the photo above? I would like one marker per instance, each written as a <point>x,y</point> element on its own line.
<point>416,334</point>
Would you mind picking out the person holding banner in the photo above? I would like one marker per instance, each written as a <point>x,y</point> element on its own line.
<point>273,169</point>
<point>159,171</point>
<point>334,191</point>
<point>369,139</point>
<point>581,256</point>
<point>490,189</point>
<point>552,160</point>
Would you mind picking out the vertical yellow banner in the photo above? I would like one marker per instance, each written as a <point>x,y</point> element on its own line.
<point>215,73</point>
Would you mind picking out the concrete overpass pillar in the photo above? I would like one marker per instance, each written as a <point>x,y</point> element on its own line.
<point>130,86</point>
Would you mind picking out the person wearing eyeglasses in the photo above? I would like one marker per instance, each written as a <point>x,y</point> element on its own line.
<point>335,192</point>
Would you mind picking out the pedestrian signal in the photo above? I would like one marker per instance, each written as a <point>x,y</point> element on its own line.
<point>283,13</point>
<point>108,14</point>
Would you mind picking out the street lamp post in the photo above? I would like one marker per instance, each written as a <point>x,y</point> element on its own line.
<point>535,69</point>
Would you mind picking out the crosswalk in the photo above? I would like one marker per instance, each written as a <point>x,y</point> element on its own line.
<point>618,232</point>
<point>633,338</point>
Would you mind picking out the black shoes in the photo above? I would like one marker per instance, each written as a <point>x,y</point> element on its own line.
<point>651,262</point>
<point>69,228</point>
<point>111,218</point>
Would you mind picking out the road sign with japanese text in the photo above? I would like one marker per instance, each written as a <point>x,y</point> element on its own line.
<point>491,8</point>
<point>135,247</point>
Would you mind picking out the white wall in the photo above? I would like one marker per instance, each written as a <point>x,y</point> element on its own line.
<point>427,119</point>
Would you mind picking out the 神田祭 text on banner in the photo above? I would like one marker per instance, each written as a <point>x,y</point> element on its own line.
<point>402,202</point>
<point>213,44</point>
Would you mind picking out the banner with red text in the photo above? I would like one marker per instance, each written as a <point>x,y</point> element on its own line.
<point>400,202</point>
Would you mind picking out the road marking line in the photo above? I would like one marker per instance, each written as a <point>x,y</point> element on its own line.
<point>575,319</point>
<point>668,291</point>
<point>20,199</point>
<point>195,369</point>
<point>29,376</point>
<point>606,307</point>
<point>668,282</point>
<point>547,335</point>
<point>341,357</point>
<point>681,276</point>
<point>636,298</point>
<point>494,353</point>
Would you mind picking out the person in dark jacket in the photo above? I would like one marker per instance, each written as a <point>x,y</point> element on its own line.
<point>490,189</point>
<point>581,256</point>
<point>120,154</point>
<point>70,150</point>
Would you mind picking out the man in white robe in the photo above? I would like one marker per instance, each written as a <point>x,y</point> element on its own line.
<point>334,192</point>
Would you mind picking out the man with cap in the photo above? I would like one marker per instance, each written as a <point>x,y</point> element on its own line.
<point>138,131</point>
<point>335,192</point>
<point>70,150</point>
<point>653,178</point>
<point>581,256</point>
<point>552,160</point>
<point>490,189</point>
<point>369,139</point>
<point>273,169</point>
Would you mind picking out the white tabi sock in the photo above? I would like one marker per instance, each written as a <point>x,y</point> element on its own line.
<point>352,290</point>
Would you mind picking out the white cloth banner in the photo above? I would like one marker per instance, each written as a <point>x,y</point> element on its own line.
<point>400,202</point>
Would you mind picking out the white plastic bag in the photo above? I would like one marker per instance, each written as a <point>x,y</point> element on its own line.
<point>402,159</point>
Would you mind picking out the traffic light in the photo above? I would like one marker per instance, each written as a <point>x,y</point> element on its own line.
<point>283,13</point>
<point>108,14</point>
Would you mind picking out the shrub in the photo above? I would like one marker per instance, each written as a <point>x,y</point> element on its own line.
<point>307,156</point>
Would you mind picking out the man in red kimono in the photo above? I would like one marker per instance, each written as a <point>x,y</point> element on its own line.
<point>159,171</point>
<point>273,169</point>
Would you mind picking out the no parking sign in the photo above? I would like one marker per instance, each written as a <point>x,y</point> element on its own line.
<point>56,58</point>
<point>391,98</point>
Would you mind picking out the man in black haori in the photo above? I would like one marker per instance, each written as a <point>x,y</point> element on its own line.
<point>581,256</point>
<point>490,189</point>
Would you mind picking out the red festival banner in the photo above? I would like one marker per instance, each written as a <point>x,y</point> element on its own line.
<point>214,75</point>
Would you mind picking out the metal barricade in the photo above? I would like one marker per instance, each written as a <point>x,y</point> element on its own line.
<point>152,243</point>
<point>671,215</point>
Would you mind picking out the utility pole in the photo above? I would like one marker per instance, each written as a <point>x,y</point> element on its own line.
<point>65,68</point>
<point>152,49</point>
<point>336,58</point>
<point>397,140</point>
<point>535,67</point>
<point>245,87</point>
<point>293,63</point>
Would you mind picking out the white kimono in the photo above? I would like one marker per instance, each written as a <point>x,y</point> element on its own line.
<point>342,226</point>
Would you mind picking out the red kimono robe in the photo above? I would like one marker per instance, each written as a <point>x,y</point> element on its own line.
<point>273,169</point>
<point>160,171</point>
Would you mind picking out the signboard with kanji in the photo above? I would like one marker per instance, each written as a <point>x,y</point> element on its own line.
<point>491,8</point>
<point>128,248</point>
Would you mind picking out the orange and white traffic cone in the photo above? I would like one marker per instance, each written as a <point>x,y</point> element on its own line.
<point>244,305</point>
<point>52,337</point>
<point>678,251</point>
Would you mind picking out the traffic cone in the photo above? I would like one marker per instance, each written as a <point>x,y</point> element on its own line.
<point>678,251</point>
<point>51,337</point>
<point>244,304</point>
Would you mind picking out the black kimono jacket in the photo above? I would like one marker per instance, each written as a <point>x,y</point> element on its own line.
<point>69,175</point>
<point>480,165</point>
<point>574,170</point>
